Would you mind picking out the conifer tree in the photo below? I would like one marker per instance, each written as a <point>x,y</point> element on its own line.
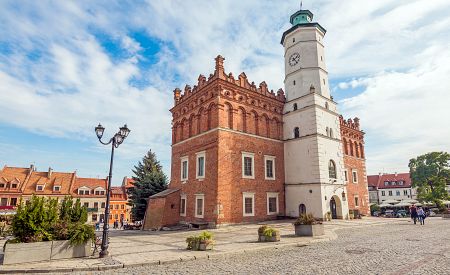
<point>149,179</point>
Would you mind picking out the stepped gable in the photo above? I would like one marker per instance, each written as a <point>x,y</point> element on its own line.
<point>220,74</point>
<point>225,101</point>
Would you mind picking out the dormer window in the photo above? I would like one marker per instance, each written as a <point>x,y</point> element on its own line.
<point>14,185</point>
<point>39,187</point>
<point>56,188</point>
<point>83,192</point>
<point>2,185</point>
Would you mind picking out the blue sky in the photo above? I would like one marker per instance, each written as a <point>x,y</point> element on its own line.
<point>65,66</point>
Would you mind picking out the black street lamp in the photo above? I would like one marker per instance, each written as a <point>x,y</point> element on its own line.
<point>115,141</point>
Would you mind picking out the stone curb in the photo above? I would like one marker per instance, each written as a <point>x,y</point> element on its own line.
<point>331,235</point>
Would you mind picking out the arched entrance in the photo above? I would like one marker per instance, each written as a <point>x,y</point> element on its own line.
<point>336,208</point>
<point>301,209</point>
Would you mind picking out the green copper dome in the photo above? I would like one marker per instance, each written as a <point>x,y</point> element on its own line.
<point>301,17</point>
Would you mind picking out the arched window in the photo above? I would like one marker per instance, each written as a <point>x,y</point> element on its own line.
<point>296,132</point>
<point>295,106</point>
<point>326,105</point>
<point>328,131</point>
<point>351,148</point>
<point>361,150</point>
<point>356,150</point>
<point>345,147</point>
<point>332,169</point>
<point>331,133</point>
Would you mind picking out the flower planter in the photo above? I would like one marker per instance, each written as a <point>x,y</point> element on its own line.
<point>310,230</point>
<point>16,253</point>
<point>275,238</point>
<point>205,245</point>
<point>446,216</point>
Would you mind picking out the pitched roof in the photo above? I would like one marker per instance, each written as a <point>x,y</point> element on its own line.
<point>118,193</point>
<point>397,180</point>
<point>63,179</point>
<point>128,182</point>
<point>90,183</point>
<point>164,193</point>
<point>16,174</point>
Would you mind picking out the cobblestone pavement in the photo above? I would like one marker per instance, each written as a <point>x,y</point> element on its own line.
<point>397,248</point>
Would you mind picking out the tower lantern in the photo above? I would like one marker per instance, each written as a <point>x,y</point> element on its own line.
<point>301,17</point>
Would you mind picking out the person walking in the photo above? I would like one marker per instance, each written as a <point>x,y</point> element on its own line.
<point>413,212</point>
<point>421,215</point>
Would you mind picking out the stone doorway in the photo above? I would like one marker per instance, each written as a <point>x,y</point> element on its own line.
<point>333,208</point>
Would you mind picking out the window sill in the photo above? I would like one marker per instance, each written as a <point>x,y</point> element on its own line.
<point>248,177</point>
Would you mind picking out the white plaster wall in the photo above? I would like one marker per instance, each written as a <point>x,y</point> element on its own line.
<point>300,161</point>
<point>394,196</point>
<point>298,194</point>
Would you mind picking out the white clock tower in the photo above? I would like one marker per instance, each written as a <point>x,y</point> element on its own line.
<point>314,166</point>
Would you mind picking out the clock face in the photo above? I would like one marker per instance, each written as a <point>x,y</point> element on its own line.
<point>294,59</point>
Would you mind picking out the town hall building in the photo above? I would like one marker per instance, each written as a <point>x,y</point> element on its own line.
<point>244,153</point>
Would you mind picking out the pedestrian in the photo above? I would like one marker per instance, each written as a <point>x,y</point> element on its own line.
<point>121,223</point>
<point>413,212</point>
<point>421,215</point>
<point>97,226</point>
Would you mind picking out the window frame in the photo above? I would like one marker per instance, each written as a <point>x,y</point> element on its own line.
<point>383,193</point>
<point>183,197</point>
<point>332,174</point>
<point>197,197</point>
<point>57,186</point>
<point>244,196</point>
<point>197,167</point>
<point>354,176</point>
<point>273,159</point>
<point>390,193</point>
<point>356,201</point>
<point>269,196</point>
<point>184,159</point>
<point>252,156</point>
<point>345,175</point>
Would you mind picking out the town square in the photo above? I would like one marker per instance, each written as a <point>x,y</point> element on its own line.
<point>225,137</point>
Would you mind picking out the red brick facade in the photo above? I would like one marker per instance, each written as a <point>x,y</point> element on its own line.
<point>221,119</point>
<point>354,161</point>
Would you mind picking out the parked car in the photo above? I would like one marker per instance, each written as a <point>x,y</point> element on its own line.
<point>376,213</point>
<point>389,214</point>
<point>400,214</point>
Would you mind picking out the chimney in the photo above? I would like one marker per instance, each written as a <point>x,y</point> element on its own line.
<point>50,170</point>
<point>31,169</point>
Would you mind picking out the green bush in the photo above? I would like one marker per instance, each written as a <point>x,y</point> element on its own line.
<point>193,242</point>
<point>270,232</point>
<point>40,219</point>
<point>306,219</point>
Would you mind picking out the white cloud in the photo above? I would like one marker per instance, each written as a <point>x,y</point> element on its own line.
<point>57,80</point>
<point>405,113</point>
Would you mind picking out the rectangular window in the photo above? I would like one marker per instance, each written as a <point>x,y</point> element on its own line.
<point>39,187</point>
<point>199,205</point>
<point>269,167</point>
<point>116,216</point>
<point>4,202</point>
<point>14,185</point>
<point>201,165</point>
<point>248,204</point>
<point>354,176</point>
<point>102,217</point>
<point>248,165</point>
<point>94,217</point>
<point>272,203</point>
<point>122,206</point>
<point>57,188</point>
<point>383,193</point>
<point>356,201</point>
<point>13,202</point>
<point>397,193</point>
<point>345,175</point>
<point>103,204</point>
<point>116,206</point>
<point>183,206</point>
<point>86,204</point>
<point>95,204</point>
<point>2,185</point>
<point>405,192</point>
<point>390,193</point>
<point>184,168</point>
<point>97,193</point>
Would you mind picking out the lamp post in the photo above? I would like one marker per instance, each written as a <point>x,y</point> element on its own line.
<point>115,141</point>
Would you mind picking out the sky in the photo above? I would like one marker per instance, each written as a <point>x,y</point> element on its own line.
<point>66,66</point>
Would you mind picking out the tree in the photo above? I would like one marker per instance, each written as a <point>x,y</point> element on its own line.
<point>149,179</point>
<point>430,173</point>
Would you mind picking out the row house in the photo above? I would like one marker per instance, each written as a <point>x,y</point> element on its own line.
<point>397,186</point>
<point>18,183</point>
